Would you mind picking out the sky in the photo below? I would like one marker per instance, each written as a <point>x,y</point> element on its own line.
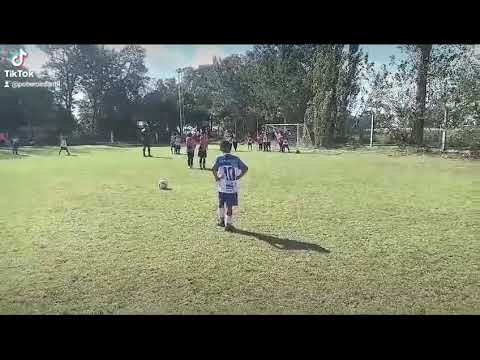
<point>163,60</point>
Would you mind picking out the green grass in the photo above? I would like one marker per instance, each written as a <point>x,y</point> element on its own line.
<point>334,232</point>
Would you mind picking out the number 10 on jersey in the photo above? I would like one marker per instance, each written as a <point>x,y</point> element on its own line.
<point>229,172</point>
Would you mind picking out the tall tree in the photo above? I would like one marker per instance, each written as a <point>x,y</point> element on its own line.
<point>64,68</point>
<point>349,85</point>
<point>325,82</point>
<point>423,56</point>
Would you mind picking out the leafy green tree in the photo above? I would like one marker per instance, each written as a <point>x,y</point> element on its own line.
<point>325,83</point>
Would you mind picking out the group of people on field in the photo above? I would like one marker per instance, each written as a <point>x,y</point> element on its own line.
<point>264,141</point>
<point>15,144</point>
<point>193,139</point>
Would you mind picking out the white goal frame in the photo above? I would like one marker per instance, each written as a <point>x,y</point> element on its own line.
<point>276,126</point>
<point>299,126</point>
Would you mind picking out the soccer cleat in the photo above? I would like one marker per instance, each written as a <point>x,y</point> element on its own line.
<point>221,223</point>
<point>229,228</point>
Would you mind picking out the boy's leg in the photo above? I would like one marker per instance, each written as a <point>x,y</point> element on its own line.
<point>144,147</point>
<point>232,200</point>
<point>221,210</point>
<point>68,152</point>
<point>148,147</point>
<point>228,218</point>
<point>60,151</point>
<point>190,159</point>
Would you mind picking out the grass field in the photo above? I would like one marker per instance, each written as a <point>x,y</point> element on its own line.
<point>328,233</point>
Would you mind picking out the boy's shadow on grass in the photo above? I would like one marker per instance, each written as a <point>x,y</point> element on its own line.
<point>283,244</point>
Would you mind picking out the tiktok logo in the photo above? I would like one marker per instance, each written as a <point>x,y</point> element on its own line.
<point>19,59</point>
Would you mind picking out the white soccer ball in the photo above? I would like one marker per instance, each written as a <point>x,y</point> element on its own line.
<point>162,184</point>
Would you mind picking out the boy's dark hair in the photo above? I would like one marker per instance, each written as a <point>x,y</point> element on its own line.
<point>225,146</point>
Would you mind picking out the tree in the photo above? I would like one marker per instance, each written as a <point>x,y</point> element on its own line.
<point>325,82</point>
<point>423,62</point>
<point>349,85</point>
<point>114,84</point>
<point>64,67</point>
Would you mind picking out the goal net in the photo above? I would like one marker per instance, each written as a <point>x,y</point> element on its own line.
<point>297,135</point>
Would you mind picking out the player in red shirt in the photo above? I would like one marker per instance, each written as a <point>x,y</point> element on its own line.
<point>191,145</point>
<point>260,142</point>
<point>202,150</point>
<point>280,141</point>
<point>250,142</point>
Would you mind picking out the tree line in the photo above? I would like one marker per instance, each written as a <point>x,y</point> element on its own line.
<point>331,88</point>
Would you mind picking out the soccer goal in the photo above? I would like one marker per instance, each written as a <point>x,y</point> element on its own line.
<point>297,134</point>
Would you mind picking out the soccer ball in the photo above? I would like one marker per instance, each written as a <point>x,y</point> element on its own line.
<point>162,184</point>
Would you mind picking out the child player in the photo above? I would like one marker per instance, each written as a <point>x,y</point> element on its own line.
<point>202,149</point>
<point>191,145</point>
<point>178,144</point>
<point>265,142</point>
<point>250,142</point>
<point>63,145</point>
<point>227,170</point>
<point>285,144</point>
<point>260,142</point>
<point>172,142</point>
<point>15,145</point>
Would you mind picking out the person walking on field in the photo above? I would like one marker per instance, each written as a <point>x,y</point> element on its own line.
<point>178,144</point>
<point>260,142</point>
<point>265,142</point>
<point>280,141</point>
<point>250,142</point>
<point>191,145</point>
<point>202,150</point>
<point>15,145</point>
<point>172,142</point>
<point>63,145</point>
<point>146,138</point>
<point>235,142</point>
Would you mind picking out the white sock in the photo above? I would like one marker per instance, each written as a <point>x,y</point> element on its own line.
<point>221,214</point>
<point>228,219</point>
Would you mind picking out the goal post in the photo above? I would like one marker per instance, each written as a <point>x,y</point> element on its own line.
<point>297,134</point>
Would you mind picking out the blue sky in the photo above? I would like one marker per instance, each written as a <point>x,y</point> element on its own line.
<point>162,60</point>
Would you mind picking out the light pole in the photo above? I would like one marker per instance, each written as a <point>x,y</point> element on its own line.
<point>180,99</point>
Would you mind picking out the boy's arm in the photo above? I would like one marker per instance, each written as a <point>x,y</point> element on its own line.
<point>215,171</point>
<point>243,168</point>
